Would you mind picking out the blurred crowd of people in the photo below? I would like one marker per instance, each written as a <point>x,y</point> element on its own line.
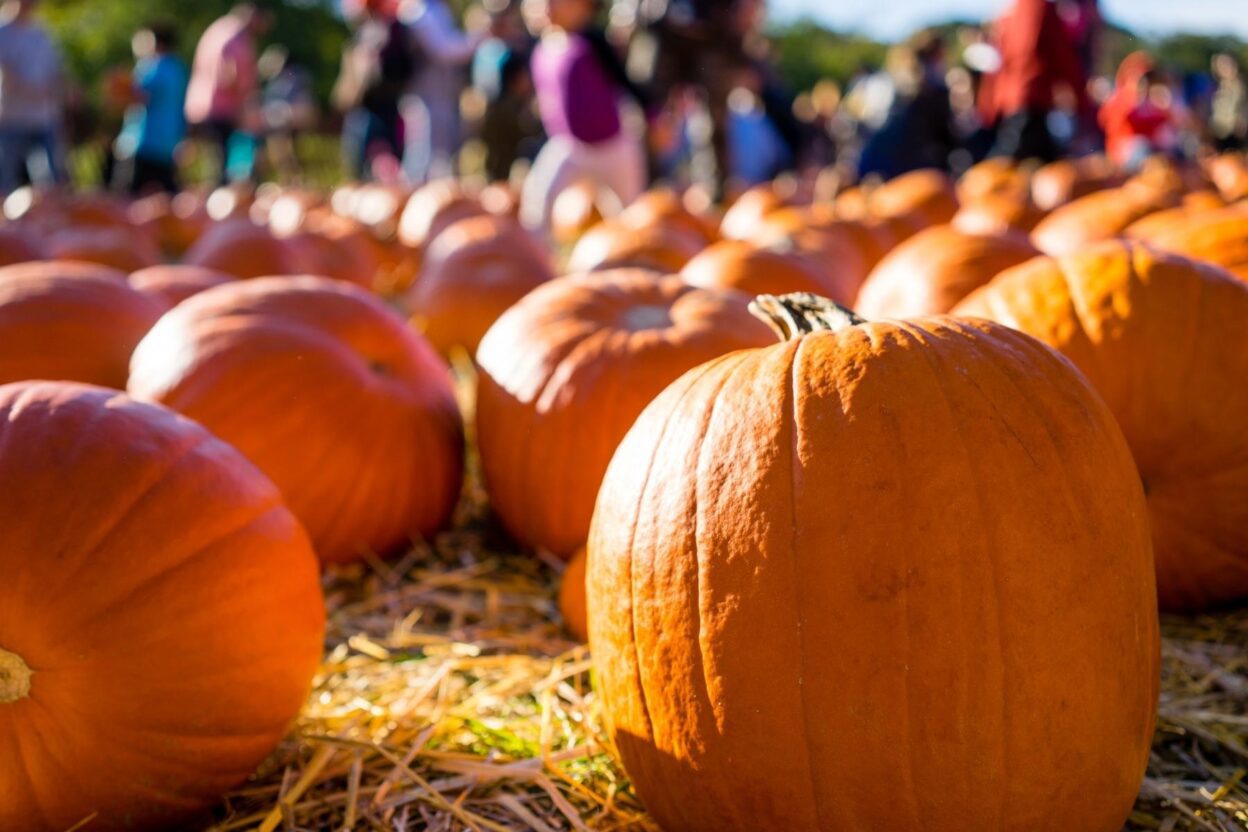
<point>614,95</point>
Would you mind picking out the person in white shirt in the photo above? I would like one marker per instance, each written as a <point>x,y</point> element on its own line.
<point>31,95</point>
<point>431,111</point>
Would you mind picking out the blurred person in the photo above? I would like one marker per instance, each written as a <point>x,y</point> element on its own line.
<point>500,73</point>
<point>377,68</point>
<point>288,107</point>
<point>1228,116</point>
<point>431,114</point>
<point>919,130</point>
<point>155,121</point>
<point>1038,60</point>
<point>224,85</point>
<point>579,82</point>
<point>757,151</point>
<point>1138,118</point>
<point>32,87</point>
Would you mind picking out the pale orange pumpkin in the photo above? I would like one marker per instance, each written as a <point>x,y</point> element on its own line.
<point>326,390</point>
<point>171,285</point>
<point>754,270</point>
<point>1101,215</point>
<point>434,208</point>
<point>19,246</point>
<point>139,702</point>
<point>613,245</point>
<point>245,250</point>
<point>124,249</point>
<point>563,374</point>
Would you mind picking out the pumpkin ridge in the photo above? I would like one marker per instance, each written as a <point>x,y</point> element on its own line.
<point>1079,306</point>
<point>32,789</point>
<point>15,678</point>
<point>790,409</point>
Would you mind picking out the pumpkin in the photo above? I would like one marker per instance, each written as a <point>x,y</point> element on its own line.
<point>140,697</point>
<point>19,246</point>
<point>1162,339</point>
<point>664,206</point>
<point>1194,208</point>
<point>612,245</point>
<point>844,251</point>
<point>993,176</point>
<point>574,212</point>
<point>572,598</point>
<point>563,374</point>
<point>171,285</point>
<point>377,206</point>
<point>339,249</point>
<point>1229,174</point>
<point>733,264</point>
<point>124,249</point>
<point>933,270</point>
<point>748,210</point>
<point>329,393</point>
<point>473,272</point>
<point>998,213</point>
<point>175,224</point>
<point>434,208</point>
<point>1098,216</point>
<point>245,250</point>
<point>70,322</point>
<point>924,197</point>
<point>1063,181</point>
<point>1220,238</point>
<point>893,575</point>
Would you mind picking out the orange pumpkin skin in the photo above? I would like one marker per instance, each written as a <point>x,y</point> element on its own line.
<point>996,175</point>
<point>70,322</point>
<point>245,250</point>
<point>1183,408</point>
<point>574,212</point>
<point>329,393</point>
<point>926,197</point>
<point>841,251</point>
<point>870,506</point>
<point>17,246</point>
<point>998,213</point>
<point>933,270</point>
<point>1220,238</point>
<point>612,245</point>
<point>473,273</point>
<point>434,208</point>
<point>754,270</point>
<point>748,210</point>
<point>664,206</point>
<point>124,249</point>
<point>572,598</point>
<point>171,285</point>
<point>1058,183</point>
<point>179,672</point>
<point>563,374</point>
<point>1098,216</point>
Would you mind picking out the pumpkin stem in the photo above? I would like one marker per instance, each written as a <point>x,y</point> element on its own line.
<point>792,316</point>
<point>14,677</point>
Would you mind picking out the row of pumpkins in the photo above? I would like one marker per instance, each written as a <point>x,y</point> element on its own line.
<point>891,569</point>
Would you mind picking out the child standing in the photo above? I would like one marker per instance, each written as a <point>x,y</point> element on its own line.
<point>155,123</point>
<point>579,81</point>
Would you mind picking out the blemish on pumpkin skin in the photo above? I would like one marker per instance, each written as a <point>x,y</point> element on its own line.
<point>886,585</point>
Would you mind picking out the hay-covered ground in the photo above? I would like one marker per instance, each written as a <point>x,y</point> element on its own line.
<point>450,699</point>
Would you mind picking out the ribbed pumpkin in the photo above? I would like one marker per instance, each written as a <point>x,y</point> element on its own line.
<point>1098,216</point>
<point>70,322</point>
<point>1194,208</point>
<point>572,597</point>
<point>433,209</point>
<point>171,285</point>
<point>891,576</point>
<point>933,270</point>
<point>245,250</point>
<point>19,246</point>
<point>328,392</point>
<point>1162,339</point>
<point>733,264</point>
<point>138,702</point>
<point>562,376</point>
<point>1220,238</point>
<point>843,251</point>
<point>613,245</point>
<point>124,249</point>
<point>924,197</point>
<point>474,272</point>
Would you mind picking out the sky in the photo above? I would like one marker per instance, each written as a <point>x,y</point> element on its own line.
<point>893,19</point>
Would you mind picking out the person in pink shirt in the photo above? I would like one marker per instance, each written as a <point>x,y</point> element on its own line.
<point>224,78</point>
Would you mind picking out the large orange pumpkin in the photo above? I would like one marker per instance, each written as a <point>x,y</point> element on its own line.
<point>124,249</point>
<point>664,206</point>
<point>1098,216</point>
<point>755,270</point>
<point>843,251</point>
<point>612,245</point>
<point>244,249</point>
<point>1194,208</point>
<point>998,213</point>
<point>891,576</point>
<point>328,392</point>
<point>171,285</point>
<point>19,246</point>
<point>175,224</point>
<point>433,209</point>
<point>996,175</point>
<point>924,197</point>
<point>70,322</point>
<point>138,700</point>
<point>1220,238</point>
<point>933,270</point>
<point>1162,339</point>
<point>473,272</point>
<point>742,217</point>
<point>564,373</point>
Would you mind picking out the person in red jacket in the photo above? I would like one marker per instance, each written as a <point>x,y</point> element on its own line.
<point>1138,118</point>
<point>1038,60</point>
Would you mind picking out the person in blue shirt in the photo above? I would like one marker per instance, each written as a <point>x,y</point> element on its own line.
<point>155,122</point>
